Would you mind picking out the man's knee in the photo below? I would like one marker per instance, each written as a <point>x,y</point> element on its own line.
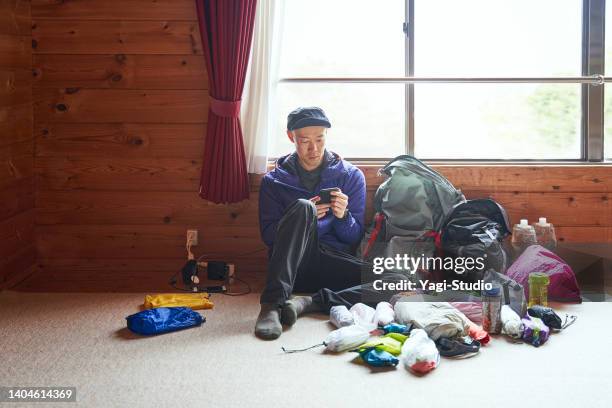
<point>302,206</point>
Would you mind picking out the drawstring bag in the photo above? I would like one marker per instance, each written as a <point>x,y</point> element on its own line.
<point>383,314</point>
<point>346,338</point>
<point>419,353</point>
<point>536,332</point>
<point>363,315</point>
<point>193,301</point>
<point>563,285</point>
<point>511,323</point>
<point>397,328</point>
<point>163,320</point>
<point>550,318</point>
<point>378,358</point>
<point>342,339</point>
<point>340,316</point>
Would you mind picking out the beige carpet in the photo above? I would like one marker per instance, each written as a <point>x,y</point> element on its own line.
<point>80,340</point>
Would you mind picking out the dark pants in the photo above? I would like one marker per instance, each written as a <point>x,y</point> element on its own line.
<point>299,263</point>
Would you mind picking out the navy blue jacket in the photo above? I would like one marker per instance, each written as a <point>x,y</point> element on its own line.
<point>281,187</point>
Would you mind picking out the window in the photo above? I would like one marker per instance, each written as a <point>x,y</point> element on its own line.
<point>538,120</point>
<point>339,38</point>
<point>608,90</point>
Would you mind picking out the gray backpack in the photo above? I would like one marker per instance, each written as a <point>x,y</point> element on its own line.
<point>411,206</point>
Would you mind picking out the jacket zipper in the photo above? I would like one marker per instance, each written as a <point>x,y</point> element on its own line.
<point>292,187</point>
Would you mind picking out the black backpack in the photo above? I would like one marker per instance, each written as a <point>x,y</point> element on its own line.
<point>476,228</point>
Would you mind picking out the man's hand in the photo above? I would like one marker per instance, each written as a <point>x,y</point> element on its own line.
<point>339,202</point>
<point>322,209</point>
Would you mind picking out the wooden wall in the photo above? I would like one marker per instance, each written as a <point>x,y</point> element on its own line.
<point>17,249</point>
<point>120,105</point>
<point>120,108</point>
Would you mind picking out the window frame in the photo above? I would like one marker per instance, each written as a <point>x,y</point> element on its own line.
<point>592,96</point>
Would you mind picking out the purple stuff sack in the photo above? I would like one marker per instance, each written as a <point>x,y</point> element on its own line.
<point>563,285</point>
<point>535,332</point>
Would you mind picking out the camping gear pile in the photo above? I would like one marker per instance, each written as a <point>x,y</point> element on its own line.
<point>420,213</point>
<point>418,333</point>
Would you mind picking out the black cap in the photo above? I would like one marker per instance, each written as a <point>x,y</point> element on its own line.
<point>311,116</point>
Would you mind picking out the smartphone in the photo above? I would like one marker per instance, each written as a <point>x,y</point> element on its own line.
<point>325,195</point>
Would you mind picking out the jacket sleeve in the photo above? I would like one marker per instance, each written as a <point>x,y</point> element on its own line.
<point>350,230</point>
<point>270,212</point>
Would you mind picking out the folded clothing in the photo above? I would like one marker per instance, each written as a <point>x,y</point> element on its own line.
<point>438,319</point>
<point>191,300</point>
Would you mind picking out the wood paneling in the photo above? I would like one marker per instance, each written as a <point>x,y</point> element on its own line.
<point>120,141</point>
<point>510,178</point>
<point>16,233</point>
<point>114,10</point>
<point>16,199</point>
<point>120,105</point>
<point>17,250</point>
<point>15,87</point>
<point>18,267</point>
<point>143,241</point>
<point>15,51</point>
<point>104,173</point>
<point>116,37</point>
<point>15,124</point>
<point>141,208</point>
<point>16,163</point>
<point>80,105</point>
<point>120,71</point>
<point>15,17</point>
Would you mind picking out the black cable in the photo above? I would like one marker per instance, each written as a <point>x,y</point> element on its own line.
<point>173,279</point>
<point>172,282</point>
<point>248,290</point>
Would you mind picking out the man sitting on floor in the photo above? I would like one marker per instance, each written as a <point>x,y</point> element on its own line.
<point>309,242</point>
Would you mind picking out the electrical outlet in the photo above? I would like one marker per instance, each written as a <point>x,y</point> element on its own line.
<point>231,274</point>
<point>192,235</point>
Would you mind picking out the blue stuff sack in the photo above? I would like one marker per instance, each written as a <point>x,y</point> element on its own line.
<point>163,320</point>
<point>397,328</point>
<point>378,358</point>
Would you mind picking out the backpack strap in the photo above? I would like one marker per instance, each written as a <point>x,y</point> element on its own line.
<point>378,219</point>
<point>437,238</point>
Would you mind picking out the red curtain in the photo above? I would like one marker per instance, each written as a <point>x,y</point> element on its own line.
<point>226,27</point>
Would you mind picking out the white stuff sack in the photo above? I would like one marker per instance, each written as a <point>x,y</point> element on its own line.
<point>384,314</point>
<point>419,353</point>
<point>340,316</point>
<point>363,315</point>
<point>511,322</point>
<point>346,338</point>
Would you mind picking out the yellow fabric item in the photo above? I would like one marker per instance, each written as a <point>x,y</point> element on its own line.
<point>192,300</point>
<point>390,342</point>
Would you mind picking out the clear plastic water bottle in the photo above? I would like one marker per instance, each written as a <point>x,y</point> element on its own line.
<point>545,234</point>
<point>491,310</point>
<point>523,235</point>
